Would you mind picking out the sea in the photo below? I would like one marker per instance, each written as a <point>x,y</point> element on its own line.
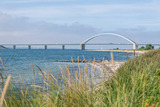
<point>19,63</point>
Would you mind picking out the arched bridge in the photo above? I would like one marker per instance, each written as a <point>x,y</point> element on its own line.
<point>82,45</point>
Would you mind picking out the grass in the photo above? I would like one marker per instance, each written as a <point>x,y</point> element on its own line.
<point>141,77</point>
<point>136,84</point>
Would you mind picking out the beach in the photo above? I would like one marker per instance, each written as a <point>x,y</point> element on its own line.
<point>128,51</point>
<point>105,70</point>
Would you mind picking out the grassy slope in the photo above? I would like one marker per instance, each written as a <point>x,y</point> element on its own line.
<point>135,84</point>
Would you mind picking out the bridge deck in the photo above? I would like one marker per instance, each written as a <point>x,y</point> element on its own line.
<point>63,45</point>
<point>74,44</point>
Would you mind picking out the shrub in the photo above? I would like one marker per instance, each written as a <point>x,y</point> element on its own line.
<point>148,47</point>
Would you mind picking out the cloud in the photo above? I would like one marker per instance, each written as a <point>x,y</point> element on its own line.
<point>146,14</point>
<point>140,35</point>
<point>22,30</point>
<point>56,10</point>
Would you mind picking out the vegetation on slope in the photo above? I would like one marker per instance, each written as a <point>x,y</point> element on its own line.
<point>137,82</point>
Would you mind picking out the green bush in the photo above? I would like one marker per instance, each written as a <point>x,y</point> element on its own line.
<point>142,48</point>
<point>148,47</point>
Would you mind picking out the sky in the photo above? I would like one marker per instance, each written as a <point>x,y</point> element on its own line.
<point>73,21</point>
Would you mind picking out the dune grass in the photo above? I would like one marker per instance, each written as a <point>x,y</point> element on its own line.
<point>136,84</point>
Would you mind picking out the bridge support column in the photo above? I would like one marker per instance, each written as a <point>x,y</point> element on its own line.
<point>63,47</point>
<point>82,46</point>
<point>14,46</point>
<point>45,46</point>
<point>135,46</point>
<point>29,46</point>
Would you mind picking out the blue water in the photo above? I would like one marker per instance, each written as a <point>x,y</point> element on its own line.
<point>20,61</point>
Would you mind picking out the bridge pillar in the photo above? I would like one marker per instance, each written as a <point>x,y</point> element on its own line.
<point>14,46</point>
<point>82,46</point>
<point>29,46</point>
<point>45,46</point>
<point>135,46</point>
<point>63,47</point>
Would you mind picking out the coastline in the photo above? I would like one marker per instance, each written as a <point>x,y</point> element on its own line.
<point>105,70</point>
<point>128,51</point>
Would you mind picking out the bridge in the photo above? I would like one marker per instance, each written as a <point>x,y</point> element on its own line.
<point>82,44</point>
<point>29,46</point>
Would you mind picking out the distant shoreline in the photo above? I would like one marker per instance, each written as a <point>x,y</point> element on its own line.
<point>129,51</point>
<point>2,47</point>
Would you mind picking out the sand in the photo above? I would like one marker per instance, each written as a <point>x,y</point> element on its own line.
<point>105,70</point>
<point>128,51</point>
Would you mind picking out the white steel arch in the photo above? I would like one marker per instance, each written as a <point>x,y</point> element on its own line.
<point>87,40</point>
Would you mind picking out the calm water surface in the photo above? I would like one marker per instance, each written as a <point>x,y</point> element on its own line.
<point>20,61</point>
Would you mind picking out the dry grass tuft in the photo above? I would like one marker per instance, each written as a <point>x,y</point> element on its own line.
<point>113,62</point>
<point>2,78</point>
<point>5,90</point>
<point>3,64</point>
<point>40,71</point>
<point>33,71</point>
